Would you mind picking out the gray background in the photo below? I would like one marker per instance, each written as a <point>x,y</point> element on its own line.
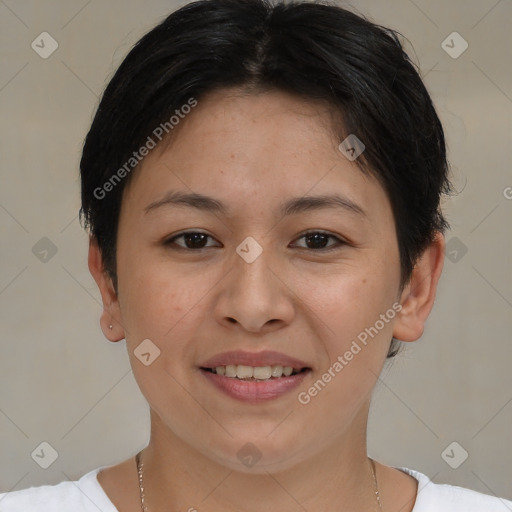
<point>63,383</point>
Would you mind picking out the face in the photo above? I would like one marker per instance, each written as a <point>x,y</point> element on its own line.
<point>251,240</point>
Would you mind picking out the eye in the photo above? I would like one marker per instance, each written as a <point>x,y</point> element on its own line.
<point>191,240</point>
<point>196,240</point>
<point>318,240</point>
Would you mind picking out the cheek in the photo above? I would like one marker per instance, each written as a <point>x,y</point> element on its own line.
<point>157,299</point>
<point>350,302</point>
<point>355,340</point>
<point>160,303</point>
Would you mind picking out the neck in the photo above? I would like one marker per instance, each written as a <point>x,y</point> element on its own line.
<point>177,477</point>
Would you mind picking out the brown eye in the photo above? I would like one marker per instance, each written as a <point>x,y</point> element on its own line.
<point>316,241</point>
<point>319,240</point>
<point>190,240</point>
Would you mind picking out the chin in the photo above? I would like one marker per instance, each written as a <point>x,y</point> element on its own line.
<point>257,457</point>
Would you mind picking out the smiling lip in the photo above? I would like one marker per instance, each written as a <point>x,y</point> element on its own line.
<point>254,391</point>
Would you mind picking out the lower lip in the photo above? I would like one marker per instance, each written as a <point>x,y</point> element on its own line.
<point>254,391</point>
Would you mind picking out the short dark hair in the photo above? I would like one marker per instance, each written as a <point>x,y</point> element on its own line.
<point>314,50</point>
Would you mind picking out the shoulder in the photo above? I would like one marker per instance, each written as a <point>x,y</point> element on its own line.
<point>84,495</point>
<point>449,498</point>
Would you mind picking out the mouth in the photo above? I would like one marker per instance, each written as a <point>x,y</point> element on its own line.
<point>255,373</point>
<point>254,377</point>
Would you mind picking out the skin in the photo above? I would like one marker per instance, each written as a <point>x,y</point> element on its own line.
<point>253,152</point>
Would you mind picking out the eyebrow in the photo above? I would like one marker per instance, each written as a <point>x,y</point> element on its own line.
<point>199,201</point>
<point>290,207</point>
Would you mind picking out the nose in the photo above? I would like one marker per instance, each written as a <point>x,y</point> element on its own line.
<point>255,296</point>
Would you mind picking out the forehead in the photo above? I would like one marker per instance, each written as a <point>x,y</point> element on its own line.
<point>252,150</point>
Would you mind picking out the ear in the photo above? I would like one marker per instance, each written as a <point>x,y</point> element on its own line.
<point>111,315</point>
<point>418,295</point>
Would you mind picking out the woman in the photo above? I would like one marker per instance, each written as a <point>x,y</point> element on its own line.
<point>262,186</point>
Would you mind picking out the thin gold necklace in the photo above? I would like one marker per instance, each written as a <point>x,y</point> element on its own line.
<point>140,467</point>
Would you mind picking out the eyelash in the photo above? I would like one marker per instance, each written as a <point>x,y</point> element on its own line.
<point>339,242</point>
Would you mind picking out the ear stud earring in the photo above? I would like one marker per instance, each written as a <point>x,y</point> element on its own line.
<point>110,326</point>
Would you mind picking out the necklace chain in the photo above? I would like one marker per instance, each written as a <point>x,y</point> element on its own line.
<point>140,467</point>
<point>377,495</point>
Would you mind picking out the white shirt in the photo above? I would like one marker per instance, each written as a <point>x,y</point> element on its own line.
<point>87,495</point>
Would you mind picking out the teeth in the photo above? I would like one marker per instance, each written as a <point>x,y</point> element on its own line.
<point>287,370</point>
<point>230,370</point>
<point>277,371</point>
<point>244,372</point>
<point>254,372</point>
<point>262,372</point>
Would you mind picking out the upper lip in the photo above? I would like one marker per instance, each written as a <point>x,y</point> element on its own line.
<point>264,358</point>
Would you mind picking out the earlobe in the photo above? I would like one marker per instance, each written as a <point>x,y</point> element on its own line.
<point>418,295</point>
<point>110,320</point>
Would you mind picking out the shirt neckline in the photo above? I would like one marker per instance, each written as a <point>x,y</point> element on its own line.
<point>92,478</point>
